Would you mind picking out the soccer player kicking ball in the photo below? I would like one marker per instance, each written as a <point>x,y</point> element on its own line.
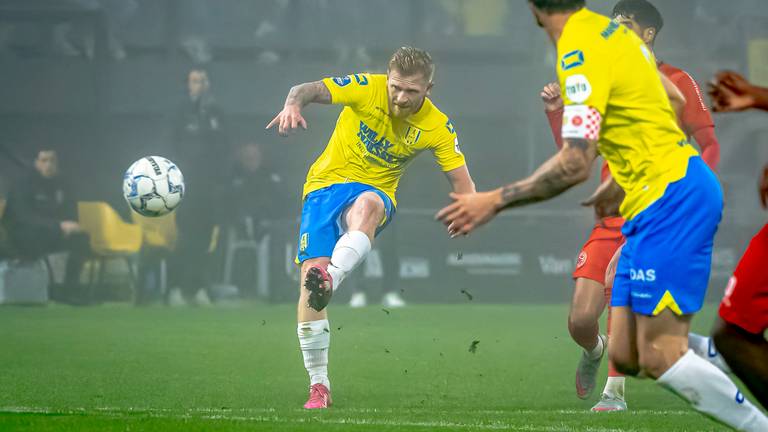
<point>739,333</point>
<point>615,102</point>
<point>605,239</point>
<point>349,194</point>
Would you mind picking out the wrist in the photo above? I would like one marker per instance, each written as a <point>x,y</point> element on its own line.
<point>497,196</point>
<point>551,109</point>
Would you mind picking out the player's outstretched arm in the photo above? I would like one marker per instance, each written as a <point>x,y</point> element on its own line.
<point>299,96</point>
<point>569,167</point>
<point>461,181</point>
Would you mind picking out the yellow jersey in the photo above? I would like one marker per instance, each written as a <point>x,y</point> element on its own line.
<point>604,67</point>
<point>369,146</point>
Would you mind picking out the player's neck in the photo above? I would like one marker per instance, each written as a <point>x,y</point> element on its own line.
<point>555,24</point>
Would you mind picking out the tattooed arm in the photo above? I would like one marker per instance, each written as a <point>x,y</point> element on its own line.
<point>299,96</point>
<point>566,169</point>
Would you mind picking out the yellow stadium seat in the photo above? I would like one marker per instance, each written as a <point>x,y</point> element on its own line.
<point>159,232</point>
<point>110,237</point>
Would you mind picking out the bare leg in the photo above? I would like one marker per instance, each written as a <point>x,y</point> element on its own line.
<point>586,307</point>
<point>746,354</point>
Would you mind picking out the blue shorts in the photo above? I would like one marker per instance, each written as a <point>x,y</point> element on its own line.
<point>321,224</point>
<point>666,260</point>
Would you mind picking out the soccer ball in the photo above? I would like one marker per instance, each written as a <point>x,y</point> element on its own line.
<point>153,186</point>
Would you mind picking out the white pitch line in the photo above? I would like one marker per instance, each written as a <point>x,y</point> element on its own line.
<point>222,411</point>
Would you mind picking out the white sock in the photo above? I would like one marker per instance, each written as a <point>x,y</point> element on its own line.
<point>614,387</point>
<point>350,250</point>
<point>704,347</point>
<point>314,340</point>
<point>711,392</point>
<point>597,351</point>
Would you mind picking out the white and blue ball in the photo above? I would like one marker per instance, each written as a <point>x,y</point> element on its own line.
<point>153,186</point>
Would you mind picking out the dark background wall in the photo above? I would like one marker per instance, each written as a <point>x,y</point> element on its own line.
<point>103,111</point>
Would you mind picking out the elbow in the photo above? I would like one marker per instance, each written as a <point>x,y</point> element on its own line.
<point>577,171</point>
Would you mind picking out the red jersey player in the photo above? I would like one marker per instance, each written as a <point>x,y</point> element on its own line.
<point>739,333</point>
<point>591,293</point>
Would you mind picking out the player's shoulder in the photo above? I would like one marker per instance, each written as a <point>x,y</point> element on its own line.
<point>676,75</point>
<point>431,119</point>
<point>588,29</point>
<point>362,79</point>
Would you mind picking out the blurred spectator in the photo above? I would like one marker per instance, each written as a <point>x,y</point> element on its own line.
<point>199,149</point>
<point>41,218</point>
<point>253,188</point>
<point>252,205</point>
<point>70,38</point>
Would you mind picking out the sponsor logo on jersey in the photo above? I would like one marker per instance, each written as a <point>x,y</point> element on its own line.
<point>572,60</point>
<point>577,88</point>
<point>642,275</point>
<point>610,30</point>
<point>378,147</point>
<point>581,260</point>
<point>449,126</point>
<point>342,81</point>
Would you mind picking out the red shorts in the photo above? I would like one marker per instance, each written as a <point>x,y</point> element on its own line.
<point>597,252</point>
<point>746,298</point>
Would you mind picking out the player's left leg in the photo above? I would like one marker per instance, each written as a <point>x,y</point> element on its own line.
<point>747,354</point>
<point>612,397</point>
<point>662,343</point>
<point>586,307</point>
<point>361,221</point>
<point>739,334</point>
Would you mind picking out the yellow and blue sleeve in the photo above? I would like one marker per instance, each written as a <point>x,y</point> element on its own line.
<point>354,90</point>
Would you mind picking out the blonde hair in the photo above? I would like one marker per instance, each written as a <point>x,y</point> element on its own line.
<point>411,61</point>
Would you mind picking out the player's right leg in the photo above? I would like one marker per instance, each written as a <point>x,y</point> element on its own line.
<point>314,335</point>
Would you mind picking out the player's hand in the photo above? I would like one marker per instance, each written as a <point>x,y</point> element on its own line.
<point>469,211</point>
<point>764,188</point>
<point>550,95</point>
<point>606,199</point>
<point>69,227</point>
<point>288,119</point>
<point>730,91</point>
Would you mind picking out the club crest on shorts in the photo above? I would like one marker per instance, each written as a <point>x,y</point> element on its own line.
<point>303,242</point>
<point>581,260</point>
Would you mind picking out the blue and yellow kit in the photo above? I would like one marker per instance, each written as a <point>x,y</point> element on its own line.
<point>369,150</point>
<point>613,93</point>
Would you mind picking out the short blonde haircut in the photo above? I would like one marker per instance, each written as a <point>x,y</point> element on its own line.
<point>411,61</point>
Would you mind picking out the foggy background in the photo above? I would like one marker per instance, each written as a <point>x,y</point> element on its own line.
<point>101,81</point>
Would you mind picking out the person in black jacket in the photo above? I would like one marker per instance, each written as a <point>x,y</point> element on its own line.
<point>199,148</point>
<point>41,218</point>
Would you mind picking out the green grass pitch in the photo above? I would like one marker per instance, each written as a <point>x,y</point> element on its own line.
<point>119,368</point>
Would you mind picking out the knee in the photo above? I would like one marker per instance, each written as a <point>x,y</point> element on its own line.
<point>581,317</point>
<point>623,360</point>
<point>370,203</point>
